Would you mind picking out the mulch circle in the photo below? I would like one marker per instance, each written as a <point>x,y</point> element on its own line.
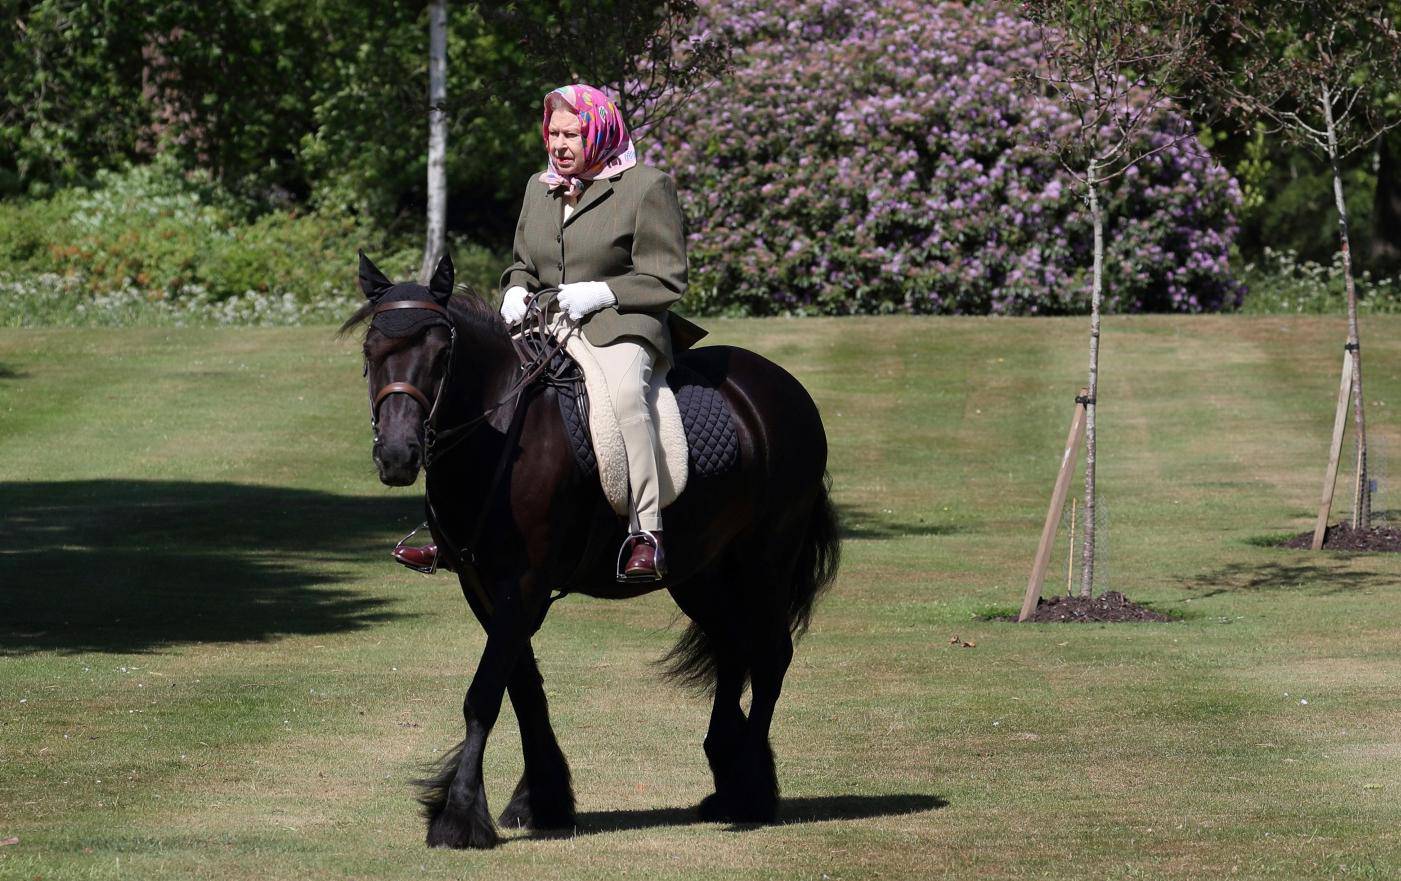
<point>1110,607</point>
<point>1344,538</point>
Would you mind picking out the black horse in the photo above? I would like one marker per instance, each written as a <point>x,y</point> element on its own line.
<point>749,551</point>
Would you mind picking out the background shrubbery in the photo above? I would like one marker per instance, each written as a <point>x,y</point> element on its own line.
<point>1280,282</point>
<point>152,243</point>
<point>864,157</point>
<point>875,156</point>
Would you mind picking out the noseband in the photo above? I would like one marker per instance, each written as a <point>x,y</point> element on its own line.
<point>408,388</point>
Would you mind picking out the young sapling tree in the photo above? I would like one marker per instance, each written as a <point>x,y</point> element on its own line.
<point>1323,74</point>
<point>1117,67</point>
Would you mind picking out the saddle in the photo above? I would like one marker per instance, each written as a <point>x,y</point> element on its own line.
<point>695,428</point>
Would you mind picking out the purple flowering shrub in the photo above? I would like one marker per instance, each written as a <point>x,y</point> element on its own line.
<point>875,156</point>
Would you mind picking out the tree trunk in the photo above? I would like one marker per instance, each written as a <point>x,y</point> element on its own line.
<point>1362,494</point>
<point>1087,558</point>
<point>437,137</point>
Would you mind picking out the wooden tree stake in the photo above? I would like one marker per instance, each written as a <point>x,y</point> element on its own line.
<point>1048,532</point>
<point>1330,476</point>
<point>1070,553</point>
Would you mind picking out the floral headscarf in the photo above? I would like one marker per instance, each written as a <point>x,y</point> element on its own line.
<point>607,147</point>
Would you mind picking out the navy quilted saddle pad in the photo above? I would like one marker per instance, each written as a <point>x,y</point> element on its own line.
<point>711,440</point>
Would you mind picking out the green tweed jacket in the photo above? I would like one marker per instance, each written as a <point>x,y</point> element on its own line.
<point>626,230</point>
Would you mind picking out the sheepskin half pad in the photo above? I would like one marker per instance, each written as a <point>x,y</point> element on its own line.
<point>694,425</point>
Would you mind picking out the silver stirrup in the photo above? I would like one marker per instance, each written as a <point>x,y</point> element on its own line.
<point>625,551</point>
<point>426,570</point>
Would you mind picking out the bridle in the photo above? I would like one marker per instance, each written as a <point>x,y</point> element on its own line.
<point>536,347</point>
<point>430,409</point>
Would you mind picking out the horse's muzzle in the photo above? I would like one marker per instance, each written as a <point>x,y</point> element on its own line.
<point>398,464</point>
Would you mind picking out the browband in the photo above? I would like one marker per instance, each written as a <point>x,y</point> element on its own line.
<point>412,304</point>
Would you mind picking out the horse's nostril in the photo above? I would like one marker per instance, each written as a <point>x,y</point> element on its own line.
<point>400,460</point>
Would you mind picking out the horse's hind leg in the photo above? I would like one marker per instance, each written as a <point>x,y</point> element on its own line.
<point>741,760</point>
<point>756,798</point>
<point>544,798</point>
<point>747,791</point>
<point>725,737</point>
<point>712,654</point>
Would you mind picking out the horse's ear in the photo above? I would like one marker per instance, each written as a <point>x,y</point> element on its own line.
<point>440,286</point>
<point>372,282</point>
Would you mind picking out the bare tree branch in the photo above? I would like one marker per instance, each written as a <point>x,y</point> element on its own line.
<point>641,51</point>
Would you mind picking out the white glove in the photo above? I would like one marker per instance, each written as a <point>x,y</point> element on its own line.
<point>582,297</point>
<point>513,307</point>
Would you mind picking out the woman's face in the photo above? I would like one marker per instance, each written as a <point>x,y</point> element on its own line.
<point>565,143</point>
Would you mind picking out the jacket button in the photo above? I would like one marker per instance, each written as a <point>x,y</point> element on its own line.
<point>561,267</point>
<point>559,236</point>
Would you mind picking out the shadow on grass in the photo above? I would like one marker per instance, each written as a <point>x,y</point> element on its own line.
<point>8,372</point>
<point>863,523</point>
<point>1326,577</point>
<point>809,809</point>
<point>134,566</point>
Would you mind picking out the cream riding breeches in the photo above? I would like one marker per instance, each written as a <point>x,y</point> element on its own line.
<point>627,366</point>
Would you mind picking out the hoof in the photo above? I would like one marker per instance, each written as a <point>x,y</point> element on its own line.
<point>524,818</point>
<point>712,809</point>
<point>516,816</point>
<point>446,830</point>
<point>715,808</point>
<point>521,813</point>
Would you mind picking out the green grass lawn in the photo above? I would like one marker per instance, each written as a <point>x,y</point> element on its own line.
<point>209,667</point>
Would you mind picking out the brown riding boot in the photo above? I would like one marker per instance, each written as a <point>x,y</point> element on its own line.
<point>648,560</point>
<point>420,559</point>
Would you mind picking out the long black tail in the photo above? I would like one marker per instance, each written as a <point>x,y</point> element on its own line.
<point>818,560</point>
<point>692,662</point>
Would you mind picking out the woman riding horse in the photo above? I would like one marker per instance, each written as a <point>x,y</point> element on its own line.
<point>752,545</point>
<point>608,232</point>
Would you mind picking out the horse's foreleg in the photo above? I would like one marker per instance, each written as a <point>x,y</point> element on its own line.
<point>544,798</point>
<point>463,819</point>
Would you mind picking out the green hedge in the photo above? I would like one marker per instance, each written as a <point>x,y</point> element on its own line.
<point>149,243</point>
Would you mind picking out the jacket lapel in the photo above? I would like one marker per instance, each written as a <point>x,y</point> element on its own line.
<point>597,192</point>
